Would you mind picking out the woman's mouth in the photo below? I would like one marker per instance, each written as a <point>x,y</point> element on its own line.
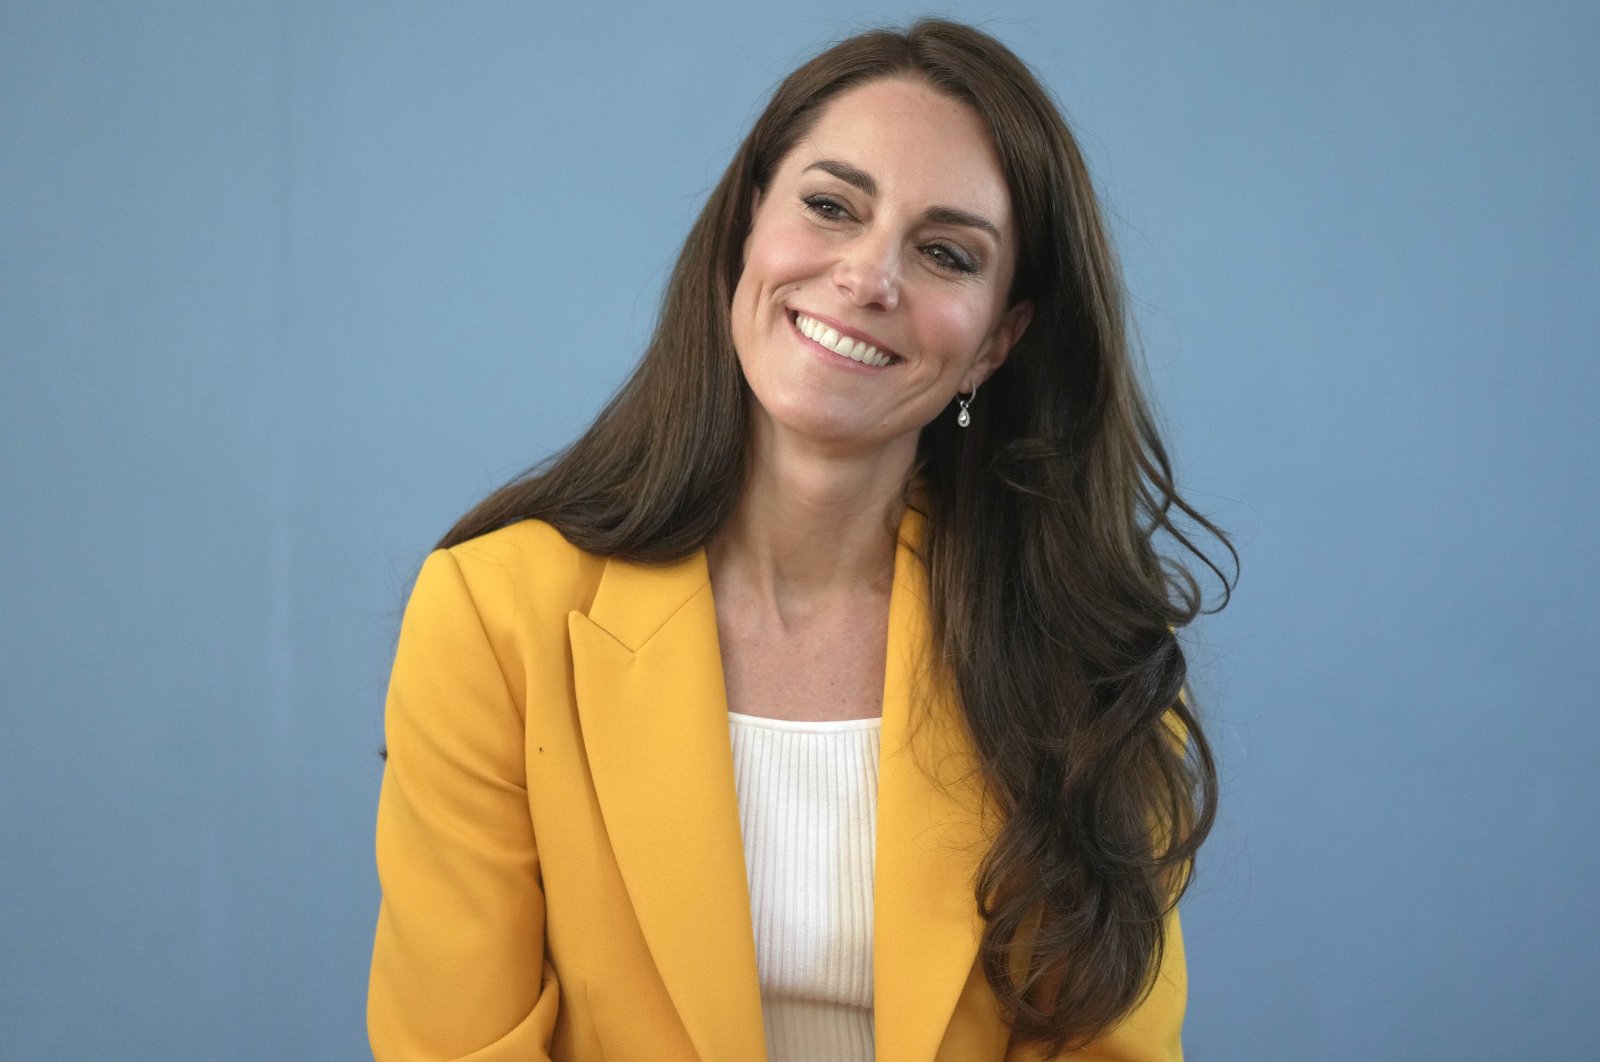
<point>858,350</point>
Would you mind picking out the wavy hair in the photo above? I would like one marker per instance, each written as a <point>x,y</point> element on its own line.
<point>1054,608</point>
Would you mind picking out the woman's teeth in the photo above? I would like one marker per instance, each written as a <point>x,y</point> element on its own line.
<point>854,349</point>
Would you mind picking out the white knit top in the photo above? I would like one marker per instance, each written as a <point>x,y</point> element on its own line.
<point>808,809</point>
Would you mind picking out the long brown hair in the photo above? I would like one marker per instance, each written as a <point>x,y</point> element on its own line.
<point>1054,609</point>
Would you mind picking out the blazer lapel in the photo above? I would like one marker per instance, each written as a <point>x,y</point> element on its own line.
<point>931,835</point>
<point>647,671</point>
<point>648,675</point>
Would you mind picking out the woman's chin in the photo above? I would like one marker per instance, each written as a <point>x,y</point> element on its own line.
<point>840,435</point>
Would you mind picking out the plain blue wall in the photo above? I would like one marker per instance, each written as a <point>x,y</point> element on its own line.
<point>285,286</point>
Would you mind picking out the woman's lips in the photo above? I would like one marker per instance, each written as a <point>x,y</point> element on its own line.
<point>847,343</point>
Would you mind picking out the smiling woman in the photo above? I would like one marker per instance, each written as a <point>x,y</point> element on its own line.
<point>885,237</point>
<point>805,707</point>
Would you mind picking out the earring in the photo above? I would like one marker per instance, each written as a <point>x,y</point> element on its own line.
<point>964,417</point>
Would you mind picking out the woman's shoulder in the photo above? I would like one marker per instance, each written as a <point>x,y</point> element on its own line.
<point>520,542</point>
<point>525,570</point>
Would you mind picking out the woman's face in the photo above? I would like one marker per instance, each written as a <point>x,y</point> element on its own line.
<point>876,271</point>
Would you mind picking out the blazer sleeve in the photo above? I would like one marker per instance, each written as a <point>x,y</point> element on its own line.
<point>1152,1031</point>
<point>457,963</point>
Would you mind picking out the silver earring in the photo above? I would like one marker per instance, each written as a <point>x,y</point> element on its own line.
<point>964,417</point>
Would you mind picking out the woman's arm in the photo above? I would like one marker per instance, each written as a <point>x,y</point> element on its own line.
<point>457,965</point>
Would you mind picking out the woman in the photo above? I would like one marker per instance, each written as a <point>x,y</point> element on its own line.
<point>808,704</point>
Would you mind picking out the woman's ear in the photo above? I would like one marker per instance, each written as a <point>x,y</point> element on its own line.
<point>1012,324</point>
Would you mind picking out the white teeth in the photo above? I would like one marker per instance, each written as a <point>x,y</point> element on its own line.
<point>854,349</point>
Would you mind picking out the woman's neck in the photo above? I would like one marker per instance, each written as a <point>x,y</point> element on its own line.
<point>811,525</point>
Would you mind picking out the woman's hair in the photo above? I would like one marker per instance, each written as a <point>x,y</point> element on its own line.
<point>1053,608</point>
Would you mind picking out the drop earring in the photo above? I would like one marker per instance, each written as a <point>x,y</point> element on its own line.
<point>964,416</point>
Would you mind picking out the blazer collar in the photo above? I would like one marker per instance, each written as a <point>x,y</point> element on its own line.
<point>648,677</point>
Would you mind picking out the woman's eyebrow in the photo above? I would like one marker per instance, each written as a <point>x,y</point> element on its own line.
<point>847,173</point>
<point>952,216</point>
<point>859,178</point>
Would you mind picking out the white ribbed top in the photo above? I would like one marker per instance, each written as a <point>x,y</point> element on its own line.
<point>808,809</point>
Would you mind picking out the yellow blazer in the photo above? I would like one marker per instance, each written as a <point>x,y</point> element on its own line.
<point>558,834</point>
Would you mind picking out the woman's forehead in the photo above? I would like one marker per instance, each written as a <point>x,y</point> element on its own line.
<point>912,141</point>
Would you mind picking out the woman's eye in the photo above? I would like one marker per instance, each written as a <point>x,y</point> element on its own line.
<point>948,257</point>
<point>825,206</point>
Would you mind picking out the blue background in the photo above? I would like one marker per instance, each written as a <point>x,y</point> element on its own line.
<point>284,287</point>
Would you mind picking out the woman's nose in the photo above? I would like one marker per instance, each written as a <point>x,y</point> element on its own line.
<point>868,271</point>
